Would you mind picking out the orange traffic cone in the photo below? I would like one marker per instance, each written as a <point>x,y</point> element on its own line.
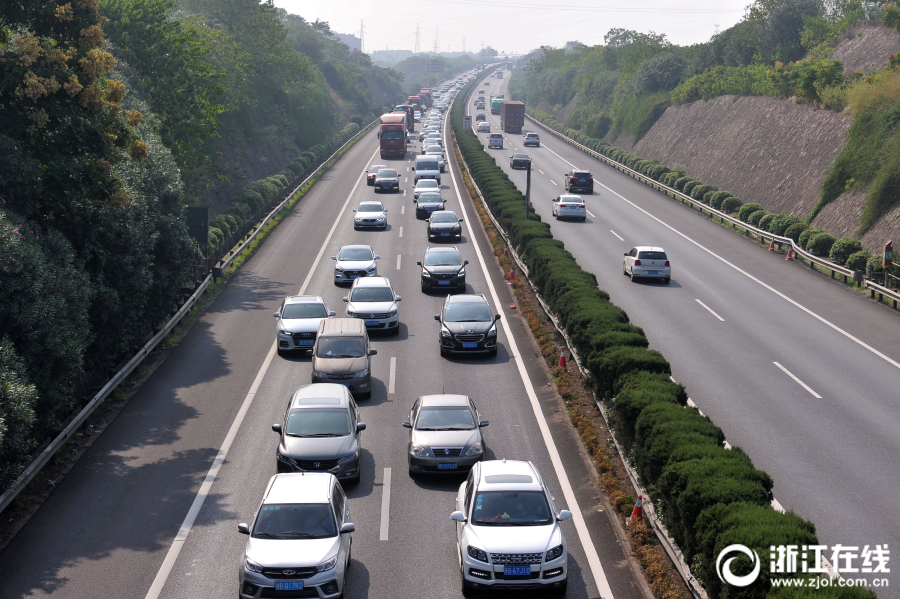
<point>512,275</point>
<point>638,511</point>
<point>772,246</point>
<point>790,254</point>
<point>562,357</point>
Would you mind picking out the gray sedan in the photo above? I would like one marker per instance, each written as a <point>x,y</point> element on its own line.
<point>444,434</point>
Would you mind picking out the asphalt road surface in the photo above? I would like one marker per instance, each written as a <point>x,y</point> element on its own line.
<point>127,521</point>
<point>801,372</point>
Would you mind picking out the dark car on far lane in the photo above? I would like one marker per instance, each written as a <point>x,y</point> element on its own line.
<point>387,179</point>
<point>519,161</point>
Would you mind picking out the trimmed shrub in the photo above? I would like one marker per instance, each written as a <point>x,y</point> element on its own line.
<point>216,239</point>
<point>241,211</point>
<point>680,183</point>
<point>820,244</point>
<point>781,222</point>
<point>659,171</point>
<point>858,260</point>
<point>611,364</point>
<point>795,230</point>
<point>766,220</point>
<point>689,187</point>
<point>698,191</point>
<point>224,226</point>
<point>639,390</point>
<point>730,205</point>
<point>803,239</point>
<point>747,210</point>
<point>842,249</point>
<point>717,197</point>
<point>754,218</point>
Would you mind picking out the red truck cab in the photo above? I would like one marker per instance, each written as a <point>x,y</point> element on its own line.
<point>392,136</point>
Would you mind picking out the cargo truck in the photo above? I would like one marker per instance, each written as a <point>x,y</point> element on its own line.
<point>496,102</point>
<point>499,74</point>
<point>425,96</point>
<point>392,136</point>
<point>415,101</point>
<point>410,113</point>
<point>512,116</point>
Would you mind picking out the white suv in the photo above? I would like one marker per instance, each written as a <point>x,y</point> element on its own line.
<point>299,539</point>
<point>373,300</point>
<point>507,531</point>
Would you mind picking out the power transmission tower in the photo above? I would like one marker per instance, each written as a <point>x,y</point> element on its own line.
<point>464,44</point>
<point>717,29</point>
<point>437,32</point>
<point>417,50</point>
<point>362,30</point>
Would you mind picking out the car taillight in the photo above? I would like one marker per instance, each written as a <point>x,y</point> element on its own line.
<point>574,179</point>
<point>637,262</point>
<point>563,206</point>
<point>667,263</point>
<point>590,178</point>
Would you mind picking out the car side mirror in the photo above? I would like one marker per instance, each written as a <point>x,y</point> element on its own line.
<point>332,313</point>
<point>334,257</point>
<point>458,516</point>
<point>243,528</point>
<point>373,352</point>
<point>407,425</point>
<point>276,428</point>
<point>483,423</point>
<point>378,257</point>
<point>277,315</point>
<point>348,528</point>
<point>360,426</point>
<point>399,298</point>
<point>354,210</point>
<point>413,168</point>
<point>437,317</point>
<point>385,211</point>
<point>419,263</point>
<point>564,515</point>
<point>346,299</point>
<point>625,254</point>
<point>465,262</point>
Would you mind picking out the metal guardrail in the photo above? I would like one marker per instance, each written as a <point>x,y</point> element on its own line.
<point>47,454</point>
<point>762,234</point>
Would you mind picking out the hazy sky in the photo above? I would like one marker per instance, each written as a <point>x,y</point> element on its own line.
<point>512,26</point>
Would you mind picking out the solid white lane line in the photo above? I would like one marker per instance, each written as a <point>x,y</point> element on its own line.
<point>616,234</point>
<point>584,534</point>
<point>795,303</point>
<point>385,504</point>
<point>552,181</point>
<point>797,380</point>
<point>398,261</point>
<point>590,213</point>
<point>710,310</point>
<point>401,231</point>
<point>393,375</point>
<point>172,556</point>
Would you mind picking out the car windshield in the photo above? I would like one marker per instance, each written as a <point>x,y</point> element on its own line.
<point>531,135</point>
<point>652,255</point>
<point>520,156</point>
<point>295,520</point>
<point>581,174</point>
<point>442,259</point>
<point>372,294</point>
<point>447,217</point>
<point>375,169</point>
<point>511,508</point>
<point>445,418</point>
<point>386,173</point>
<point>392,134</point>
<point>370,208</point>
<point>427,184</point>
<point>303,311</point>
<point>467,312</point>
<point>340,347</point>
<point>430,198</point>
<point>356,255</point>
<point>316,422</point>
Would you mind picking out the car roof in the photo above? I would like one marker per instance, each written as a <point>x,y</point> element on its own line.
<point>570,196</point>
<point>648,248</point>
<point>467,298</point>
<point>507,475</point>
<point>319,395</point>
<point>303,299</point>
<point>444,400</point>
<point>311,487</point>
<point>442,248</point>
<point>374,166</point>
<point>371,202</point>
<point>355,247</point>
<point>342,327</point>
<point>371,282</point>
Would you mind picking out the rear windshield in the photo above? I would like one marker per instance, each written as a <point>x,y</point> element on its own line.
<point>340,347</point>
<point>581,174</point>
<point>495,135</point>
<point>295,521</point>
<point>652,255</point>
<point>303,311</point>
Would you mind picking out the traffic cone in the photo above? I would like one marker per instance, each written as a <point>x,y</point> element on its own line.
<point>512,275</point>
<point>772,246</point>
<point>505,253</point>
<point>638,511</point>
<point>562,357</point>
<point>790,254</point>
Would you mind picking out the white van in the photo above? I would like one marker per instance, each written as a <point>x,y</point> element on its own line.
<point>495,140</point>
<point>428,166</point>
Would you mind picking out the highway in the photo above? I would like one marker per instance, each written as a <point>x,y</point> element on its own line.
<point>150,511</point>
<point>800,371</point>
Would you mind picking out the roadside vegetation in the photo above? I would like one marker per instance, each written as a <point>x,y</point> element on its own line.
<point>426,70</point>
<point>114,116</point>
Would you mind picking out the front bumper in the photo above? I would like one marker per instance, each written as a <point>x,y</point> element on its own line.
<point>430,465</point>
<point>547,575</point>
<point>370,223</point>
<point>362,384</point>
<point>387,186</point>
<point>441,234</point>
<point>296,341</point>
<point>433,282</point>
<point>349,470</point>
<point>252,585</point>
<point>452,345</point>
<point>380,324</point>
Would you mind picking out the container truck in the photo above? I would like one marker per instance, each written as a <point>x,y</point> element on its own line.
<point>512,116</point>
<point>496,102</point>
<point>392,136</point>
<point>410,113</point>
<point>415,101</point>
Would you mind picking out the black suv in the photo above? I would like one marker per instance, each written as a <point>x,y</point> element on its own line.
<point>579,180</point>
<point>467,325</point>
<point>443,268</point>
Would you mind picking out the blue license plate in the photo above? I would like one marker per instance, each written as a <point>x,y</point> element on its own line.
<point>288,585</point>
<point>470,345</point>
<point>516,570</point>
<point>582,180</point>
<point>443,282</point>
<point>305,342</point>
<point>445,234</point>
<point>352,276</point>
<point>652,272</point>
<point>371,323</point>
<point>447,467</point>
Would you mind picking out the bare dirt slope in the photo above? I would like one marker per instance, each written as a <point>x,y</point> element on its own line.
<point>867,48</point>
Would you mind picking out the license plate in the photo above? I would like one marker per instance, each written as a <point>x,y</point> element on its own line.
<point>516,570</point>
<point>652,272</point>
<point>449,467</point>
<point>371,323</point>
<point>582,180</point>
<point>305,342</point>
<point>352,276</point>
<point>288,585</point>
<point>443,282</point>
<point>470,345</point>
<point>445,234</point>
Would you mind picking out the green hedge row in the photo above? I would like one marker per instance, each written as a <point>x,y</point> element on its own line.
<point>708,496</point>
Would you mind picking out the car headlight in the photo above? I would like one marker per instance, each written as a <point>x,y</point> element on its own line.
<point>476,449</point>
<point>392,314</point>
<point>420,452</point>
<point>348,458</point>
<point>426,274</point>
<point>461,273</point>
<point>361,373</point>
<point>492,332</point>
<point>476,553</point>
<point>351,314</point>
<point>358,219</point>
<point>371,268</point>
<point>338,269</point>
<point>380,219</point>
<point>327,564</point>
<point>554,553</point>
<point>286,459</point>
<point>445,332</point>
<point>252,566</point>
<point>457,228</point>
<point>286,333</point>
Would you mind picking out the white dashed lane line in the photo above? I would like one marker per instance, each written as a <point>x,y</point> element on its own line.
<point>797,380</point>
<point>401,231</point>
<point>710,310</point>
<point>552,181</point>
<point>592,215</point>
<point>398,266</point>
<point>385,504</point>
<point>540,171</point>
<point>393,364</point>
<point>402,209</point>
<point>616,234</point>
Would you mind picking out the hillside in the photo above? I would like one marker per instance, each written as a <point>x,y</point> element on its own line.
<point>867,48</point>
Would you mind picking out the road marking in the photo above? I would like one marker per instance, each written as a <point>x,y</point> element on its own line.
<point>584,534</point>
<point>393,375</point>
<point>407,169</point>
<point>552,181</point>
<point>402,209</point>
<point>404,193</point>
<point>795,303</point>
<point>590,213</point>
<point>710,310</point>
<point>385,504</point>
<point>401,231</point>
<point>172,556</point>
<point>616,234</point>
<point>540,171</point>
<point>797,380</point>
<point>398,261</point>
<point>406,179</point>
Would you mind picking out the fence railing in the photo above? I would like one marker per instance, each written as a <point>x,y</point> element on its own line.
<point>836,269</point>
<point>72,427</point>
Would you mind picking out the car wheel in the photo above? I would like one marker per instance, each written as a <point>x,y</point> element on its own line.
<point>666,280</point>
<point>443,351</point>
<point>624,271</point>
<point>560,591</point>
<point>583,218</point>
<point>376,190</point>
<point>633,278</point>
<point>366,395</point>
<point>396,330</point>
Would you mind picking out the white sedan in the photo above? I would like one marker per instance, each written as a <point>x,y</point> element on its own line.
<point>647,262</point>
<point>370,214</point>
<point>426,185</point>
<point>484,128</point>
<point>569,206</point>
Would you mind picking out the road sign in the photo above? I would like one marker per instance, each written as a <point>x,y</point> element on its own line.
<point>467,122</point>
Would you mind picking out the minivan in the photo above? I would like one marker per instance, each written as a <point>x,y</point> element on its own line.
<point>341,355</point>
<point>428,167</point>
<point>495,140</point>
